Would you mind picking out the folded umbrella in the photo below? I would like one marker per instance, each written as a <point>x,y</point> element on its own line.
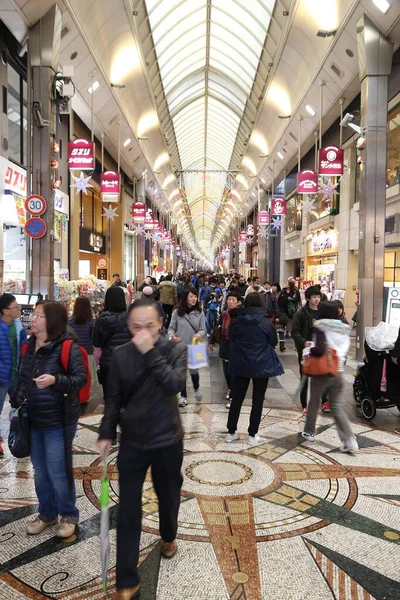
<point>104,527</point>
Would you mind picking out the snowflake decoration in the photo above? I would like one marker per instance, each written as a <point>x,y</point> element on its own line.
<point>328,190</point>
<point>167,246</point>
<point>277,223</point>
<point>110,213</point>
<point>262,231</point>
<point>139,230</point>
<point>249,240</point>
<point>81,183</point>
<point>155,237</point>
<point>148,235</point>
<point>307,205</point>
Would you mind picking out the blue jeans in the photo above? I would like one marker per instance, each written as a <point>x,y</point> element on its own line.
<point>56,496</point>
<point>211,320</point>
<point>8,388</point>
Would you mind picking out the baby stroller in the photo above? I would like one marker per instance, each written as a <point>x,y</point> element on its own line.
<point>377,381</point>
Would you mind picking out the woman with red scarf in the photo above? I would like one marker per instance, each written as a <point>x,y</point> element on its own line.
<point>233,300</point>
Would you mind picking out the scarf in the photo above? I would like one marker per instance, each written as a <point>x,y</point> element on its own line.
<point>226,321</point>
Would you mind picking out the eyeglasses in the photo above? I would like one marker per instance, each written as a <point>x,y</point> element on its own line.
<point>38,316</point>
<point>16,307</point>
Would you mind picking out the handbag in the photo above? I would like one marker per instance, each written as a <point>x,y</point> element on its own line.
<point>218,335</point>
<point>19,437</point>
<point>327,364</point>
<point>197,355</point>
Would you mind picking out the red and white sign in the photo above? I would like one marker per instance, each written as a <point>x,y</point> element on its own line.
<point>157,227</point>
<point>307,182</point>
<point>249,230</point>
<point>35,205</point>
<point>242,237</point>
<point>263,217</point>
<point>149,220</point>
<point>110,183</point>
<point>35,227</point>
<point>278,207</point>
<point>139,212</point>
<point>14,177</point>
<point>330,161</point>
<point>81,155</point>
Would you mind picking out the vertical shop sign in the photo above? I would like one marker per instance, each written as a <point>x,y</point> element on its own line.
<point>330,161</point>
<point>278,207</point>
<point>81,155</point>
<point>307,182</point>
<point>263,217</point>
<point>110,185</point>
<point>139,212</point>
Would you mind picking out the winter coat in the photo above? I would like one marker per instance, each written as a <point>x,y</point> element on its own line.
<point>141,395</point>
<point>83,333</point>
<point>168,293</point>
<point>334,333</point>
<point>224,343</point>
<point>58,404</point>
<point>242,289</point>
<point>187,326</point>
<point>293,301</point>
<point>110,331</point>
<point>253,339</point>
<point>302,325</point>
<point>6,359</point>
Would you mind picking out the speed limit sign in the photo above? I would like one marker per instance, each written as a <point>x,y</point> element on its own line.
<point>35,205</point>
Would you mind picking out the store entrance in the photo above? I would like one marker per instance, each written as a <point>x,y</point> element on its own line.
<point>322,270</point>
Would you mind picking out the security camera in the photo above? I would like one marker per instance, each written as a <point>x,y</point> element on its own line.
<point>348,118</point>
<point>37,111</point>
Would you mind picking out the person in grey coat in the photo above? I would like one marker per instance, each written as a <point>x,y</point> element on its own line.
<point>188,322</point>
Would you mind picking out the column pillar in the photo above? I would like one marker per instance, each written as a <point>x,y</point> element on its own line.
<point>141,241</point>
<point>44,50</point>
<point>262,243</point>
<point>375,55</point>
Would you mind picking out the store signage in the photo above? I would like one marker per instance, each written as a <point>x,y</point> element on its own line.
<point>35,227</point>
<point>149,220</point>
<point>102,274</point>
<point>278,207</point>
<point>61,203</point>
<point>91,241</point>
<point>81,155</point>
<point>35,205</point>
<point>110,182</point>
<point>14,178</point>
<point>393,307</point>
<point>263,217</point>
<point>249,232</point>
<point>157,227</point>
<point>330,161</point>
<point>307,182</point>
<point>139,212</point>
<point>242,237</point>
<point>323,242</point>
<point>102,263</point>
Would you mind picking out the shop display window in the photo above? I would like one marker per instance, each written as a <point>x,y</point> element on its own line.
<point>393,147</point>
<point>293,214</point>
<point>17,115</point>
<point>392,269</point>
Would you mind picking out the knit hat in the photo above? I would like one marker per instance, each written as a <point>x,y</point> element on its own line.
<point>312,291</point>
<point>147,290</point>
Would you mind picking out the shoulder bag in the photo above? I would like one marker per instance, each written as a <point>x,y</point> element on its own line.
<point>327,364</point>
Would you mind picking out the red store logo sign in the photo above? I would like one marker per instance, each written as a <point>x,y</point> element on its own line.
<point>15,180</point>
<point>330,161</point>
<point>307,182</point>
<point>81,155</point>
<point>278,207</point>
<point>110,183</point>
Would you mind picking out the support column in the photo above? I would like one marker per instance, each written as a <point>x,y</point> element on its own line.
<point>262,243</point>
<point>44,50</point>
<point>375,55</point>
<point>237,250</point>
<point>141,197</point>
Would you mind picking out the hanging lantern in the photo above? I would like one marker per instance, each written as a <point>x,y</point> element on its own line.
<point>139,212</point>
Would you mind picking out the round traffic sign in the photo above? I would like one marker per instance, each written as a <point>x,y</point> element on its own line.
<point>35,205</point>
<point>35,227</point>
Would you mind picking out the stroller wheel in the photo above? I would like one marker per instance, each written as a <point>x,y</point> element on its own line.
<point>368,408</point>
<point>358,391</point>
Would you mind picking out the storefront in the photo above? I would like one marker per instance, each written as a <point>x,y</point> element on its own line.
<point>322,259</point>
<point>61,234</point>
<point>13,244</point>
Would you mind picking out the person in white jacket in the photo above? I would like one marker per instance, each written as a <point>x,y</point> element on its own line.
<point>330,331</point>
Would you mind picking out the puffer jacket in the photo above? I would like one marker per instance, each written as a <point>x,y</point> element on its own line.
<point>58,404</point>
<point>253,339</point>
<point>187,326</point>
<point>168,293</point>
<point>83,333</point>
<point>141,395</point>
<point>110,331</point>
<point>6,350</point>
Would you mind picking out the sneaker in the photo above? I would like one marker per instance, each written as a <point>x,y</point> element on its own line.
<point>66,529</point>
<point>304,411</point>
<point>254,439</point>
<point>232,437</point>
<point>349,445</point>
<point>169,549</point>
<point>183,401</point>
<point>228,395</point>
<point>37,526</point>
<point>326,407</point>
<point>308,436</point>
<point>197,395</point>
<point>228,404</point>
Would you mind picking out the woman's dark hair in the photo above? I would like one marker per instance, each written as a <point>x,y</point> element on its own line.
<point>292,285</point>
<point>183,303</point>
<point>143,302</point>
<point>56,318</point>
<point>234,294</point>
<point>278,287</point>
<point>115,300</point>
<point>82,310</point>
<point>254,299</point>
<point>340,304</point>
<point>328,310</point>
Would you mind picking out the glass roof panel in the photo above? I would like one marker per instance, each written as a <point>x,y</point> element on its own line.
<point>176,51</point>
<point>168,13</point>
<point>230,69</point>
<point>241,16</point>
<point>220,38</point>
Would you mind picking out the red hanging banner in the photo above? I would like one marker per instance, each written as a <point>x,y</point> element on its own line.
<point>110,183</point>
<point>139,212</point>
<point>278,207</point>
<point>81,155</point>
<point>307,182</point>
<point>263,217</point>
<point>330,161</point>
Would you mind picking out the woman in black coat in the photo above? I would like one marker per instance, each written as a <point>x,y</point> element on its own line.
<point>252,356</point>
<point>53,412</point>
<point>110,330</point>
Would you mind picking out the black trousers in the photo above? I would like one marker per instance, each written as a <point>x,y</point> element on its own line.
<point>167,308</point>
<point>225,367</point>
<point>238,393</point>
<point>196,384</point>
<point>167,478</point>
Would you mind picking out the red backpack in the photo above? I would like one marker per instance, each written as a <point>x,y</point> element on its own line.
<point>84,392</point>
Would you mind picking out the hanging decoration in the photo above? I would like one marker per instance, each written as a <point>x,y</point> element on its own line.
<point>81,183</point>
<point>278,207</point>
<point>277,223</point>
<point>262,231</point>
<point>110,213</point>
<point>250,240</point>
<point>54,164</point>
<point>55,147</point>
<point>307,205</point>
<point>148,235</point>
<point>139,230</point>
<point>328,190</point>
<point>56,184</point>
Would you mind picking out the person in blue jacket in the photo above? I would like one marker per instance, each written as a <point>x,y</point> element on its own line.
<point>12,336</point>
<point>252,356</point>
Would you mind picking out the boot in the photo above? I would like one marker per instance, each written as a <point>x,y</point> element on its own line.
<point>127,593</point>
<point>282,346</point>
<point>169,549</point>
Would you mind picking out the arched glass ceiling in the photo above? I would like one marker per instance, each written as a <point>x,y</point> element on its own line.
<point>208,52</point>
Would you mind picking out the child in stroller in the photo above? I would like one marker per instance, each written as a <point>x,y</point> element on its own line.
<point>377,381</point>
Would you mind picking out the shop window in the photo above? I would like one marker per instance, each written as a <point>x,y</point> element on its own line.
<point>392,269</point>
<point>293,214</point>
<point>17,115</point>
<point>393,147</point>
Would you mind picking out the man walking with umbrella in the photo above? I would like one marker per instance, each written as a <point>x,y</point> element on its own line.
<point>147,374</point>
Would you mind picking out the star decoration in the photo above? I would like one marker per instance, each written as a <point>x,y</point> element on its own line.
<point>328,190</point>
<point>81,183</point>
<point>155,237</point>
<point>262,231</point>
<point>110,213</point>
<point>148,235</point>
<point>276,223</point>
<point>249,240</point>
<point>139,230</point>
<point>307,205</point>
